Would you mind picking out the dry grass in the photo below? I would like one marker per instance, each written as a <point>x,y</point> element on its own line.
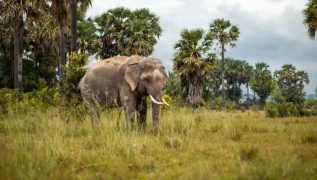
<point>200,145</point>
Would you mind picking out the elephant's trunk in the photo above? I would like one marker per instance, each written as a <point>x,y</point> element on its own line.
<point>156,110</point>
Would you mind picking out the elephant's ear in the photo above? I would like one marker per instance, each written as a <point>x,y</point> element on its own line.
<point>132,75</point>
<point>165,78</point>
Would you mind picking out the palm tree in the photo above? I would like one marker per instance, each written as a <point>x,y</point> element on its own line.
<point>233,69</point>
<point>43,37</point>
<point>310,18</point>
<point>143,31</point>
<point>88,41</point>
<point>6,53</point>
<point>247,75</point>
<point>262,81</point>
<point>215,79</point>
<point>59,11</point>
<point>292,83</point>
<point>302,78</point>
<point>224,34</point>
<point>15,9</point>
<point>110,27</point>
<point>190,62</point>
<point>73,7</point>
<point>126,32</point>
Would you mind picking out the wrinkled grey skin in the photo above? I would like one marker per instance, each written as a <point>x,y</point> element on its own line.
<point>124,81</point>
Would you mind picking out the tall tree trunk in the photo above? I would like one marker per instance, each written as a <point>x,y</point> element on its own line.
<point>239,93</point>
<point>17,65</point>
<point>262,102</point>
<point>234,92</point>
<point>247,84</point>
<point>62,54</point>
<point>223,74</point>
<point>195,90</point>
<point>74,35</point>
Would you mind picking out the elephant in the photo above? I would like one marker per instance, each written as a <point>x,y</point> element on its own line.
<point>125,81</point>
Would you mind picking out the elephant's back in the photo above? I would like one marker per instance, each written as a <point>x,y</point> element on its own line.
<point>112,63</point>
<point>101,80</point>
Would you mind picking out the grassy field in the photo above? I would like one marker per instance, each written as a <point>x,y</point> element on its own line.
<point>200,145</point>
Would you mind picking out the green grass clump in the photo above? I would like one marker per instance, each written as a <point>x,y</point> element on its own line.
<point>248,154</point>
<point>190,145</point>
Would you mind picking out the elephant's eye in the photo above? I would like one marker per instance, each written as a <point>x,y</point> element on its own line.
<point>147,79</point>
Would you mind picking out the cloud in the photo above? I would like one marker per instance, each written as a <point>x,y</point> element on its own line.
<point>271,30</point>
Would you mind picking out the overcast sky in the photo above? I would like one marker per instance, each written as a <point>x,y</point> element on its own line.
<point>271,30</point>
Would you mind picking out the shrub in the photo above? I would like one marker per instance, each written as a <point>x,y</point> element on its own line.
<point>42,98</point>
<point>248,154</point>
<point>309,139</point>
<point>169,100</point>
<point>310,104</point>
<point>282,110</point>
<point>70,106</point>
<point>271,111</point>
<point>74,72</point>
<point>7,97</point>
<point>217,104</point>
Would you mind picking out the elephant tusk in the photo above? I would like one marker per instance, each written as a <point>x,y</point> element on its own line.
<point>155,101</point>
<point>165,102</point>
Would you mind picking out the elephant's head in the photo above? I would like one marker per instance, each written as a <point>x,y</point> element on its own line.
<point>147,76</point>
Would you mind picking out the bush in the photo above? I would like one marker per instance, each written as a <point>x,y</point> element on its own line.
<point>249,154</point>
<point>164,108</point>
<point>282,110</point>
<point>39,99</point>
<point>66,98</point>
<point>217,104</point>
<point>71,107</point>
<point>7,97</point>
<point>271,111</point>
<point>310,104</point>
<point>43,98</point>
<point>74,72</point>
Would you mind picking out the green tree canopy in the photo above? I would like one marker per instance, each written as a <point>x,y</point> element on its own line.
<point>262,81</point>
<point>237,72</point>
<point>16,11</point>
<point>126,32</point>
<point>310,18</point>
<point>192,60</point>
<point>291,83</point>
<point>88,42</point>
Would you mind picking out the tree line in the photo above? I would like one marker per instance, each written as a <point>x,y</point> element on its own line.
<point>200,71</point>
<point>38,36</point>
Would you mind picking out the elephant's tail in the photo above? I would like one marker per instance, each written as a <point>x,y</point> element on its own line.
<point>79,88</point>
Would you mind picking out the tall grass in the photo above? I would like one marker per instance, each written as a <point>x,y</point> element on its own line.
<point>200,145</point>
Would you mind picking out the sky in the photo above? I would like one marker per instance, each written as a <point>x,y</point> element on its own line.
<point>271,31</point>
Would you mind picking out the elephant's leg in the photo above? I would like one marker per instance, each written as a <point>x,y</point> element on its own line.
<point>130,109</point>
<point>129,118</point>
<point>95,116</point>
<point>142,112</point>
<point>119,117</point>
<point>95,110</point>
